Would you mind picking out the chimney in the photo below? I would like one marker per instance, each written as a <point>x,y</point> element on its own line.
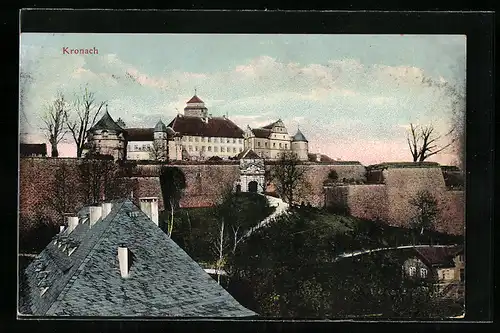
<point>123,261</point>
<point>149,205</point>
<point>106,208</point>
<point>95,214</point>
<point>72,223</point>
<point>61,228</point>
<point>318,157</point>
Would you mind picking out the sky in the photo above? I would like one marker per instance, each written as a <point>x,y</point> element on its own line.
<point>353,96</point>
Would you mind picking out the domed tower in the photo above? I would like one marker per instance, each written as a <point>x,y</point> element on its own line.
<point>106,137</point>
<point>300,146</point>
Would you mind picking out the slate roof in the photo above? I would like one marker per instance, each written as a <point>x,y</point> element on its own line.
<point>29,149</point>
<point>248,154</point>
<point>107,123</point>
<point>215,127</point>
<point>439,256</point>
<point>299,136</point>
<point>163,280</point>
<point>145,134</point>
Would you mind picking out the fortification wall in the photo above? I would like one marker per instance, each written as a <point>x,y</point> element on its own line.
<point>403,184</point>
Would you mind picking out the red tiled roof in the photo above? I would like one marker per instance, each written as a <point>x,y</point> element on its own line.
<point>195,99</point>
<point>261,132</point>
<point>28,149</point>
<point>215,127</point>
<point>438,256</point>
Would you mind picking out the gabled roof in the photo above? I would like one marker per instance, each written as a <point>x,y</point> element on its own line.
<point>28,149</point>
<point>195,99</point>
<point>438,256</point>
<point>299,136</point>
<point>248,154</point>
<point>107,123</point>
<point>163,279</point>
<point>261,132</point>
<point>214,127</point>
<point>273,124</point>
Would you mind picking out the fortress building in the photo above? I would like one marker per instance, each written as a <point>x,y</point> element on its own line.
<point>194,135</point>
<point>204,136</point>
<point>270,141</point>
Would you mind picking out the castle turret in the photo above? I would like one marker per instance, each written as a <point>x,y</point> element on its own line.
<point>300,145</point>
<point>195,107</point>
<point>106,137</point>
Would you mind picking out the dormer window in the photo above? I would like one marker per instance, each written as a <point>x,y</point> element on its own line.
<point>412,271</point>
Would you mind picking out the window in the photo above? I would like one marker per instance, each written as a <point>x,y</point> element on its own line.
<point>136,147</point>
<point>202,139</point>
<point>412,270</point>
<point>234,140</point>
<point>228,140</point>
<point>216,149</point>
<point>184,138</point>
<point>423,272</point>
<point>281,146</point>
<point>274,144</point>
<point>190,148</point>
<point>190,139</point>
<point>209,139</point>
<point>222,149</point>
<point>286,146</point>
<point>258,143</point>
<point>241,149</point>
<point>209,148</point>
<point>203,148</point>
<point>265,144</point>
<point>196,148</point>
<point>234,149</point>
<point>216,140</point>
<point>196,139</point>
<point>240,141</point>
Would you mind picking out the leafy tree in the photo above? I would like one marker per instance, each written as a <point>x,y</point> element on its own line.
<point>426,206</point>
<point>332,175</point>
<point>173,183</point>
<point>158,150</point>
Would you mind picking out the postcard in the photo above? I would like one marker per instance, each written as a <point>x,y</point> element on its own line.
<point>312,176</point>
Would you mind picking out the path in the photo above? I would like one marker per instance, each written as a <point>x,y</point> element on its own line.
<point>281,208</point>
<point>357,253</point>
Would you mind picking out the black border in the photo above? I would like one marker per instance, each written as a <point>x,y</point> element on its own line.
<point>480,126</point>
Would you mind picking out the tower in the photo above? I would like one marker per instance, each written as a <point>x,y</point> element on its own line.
<point>300,145</point>
<point>195,108</point>
<point>106,137</point>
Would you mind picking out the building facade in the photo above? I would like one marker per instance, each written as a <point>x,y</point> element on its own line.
<point>205,136</point>
<point>271,141</point>
<point>252,173</point>
<point>106,137</point>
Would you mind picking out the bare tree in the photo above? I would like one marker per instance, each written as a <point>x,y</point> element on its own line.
<point>94,173</point>
<point>423,142</point>
<point>219,247</point>
<point>83,117</point>
<point>289,176</point>
<point>63,196</point>
<point>157,151</point>
<point>54,122</point>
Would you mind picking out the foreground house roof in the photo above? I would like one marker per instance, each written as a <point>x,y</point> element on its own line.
<point>212,127</point>
<point>78,274</point>
<point>439,256</point>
